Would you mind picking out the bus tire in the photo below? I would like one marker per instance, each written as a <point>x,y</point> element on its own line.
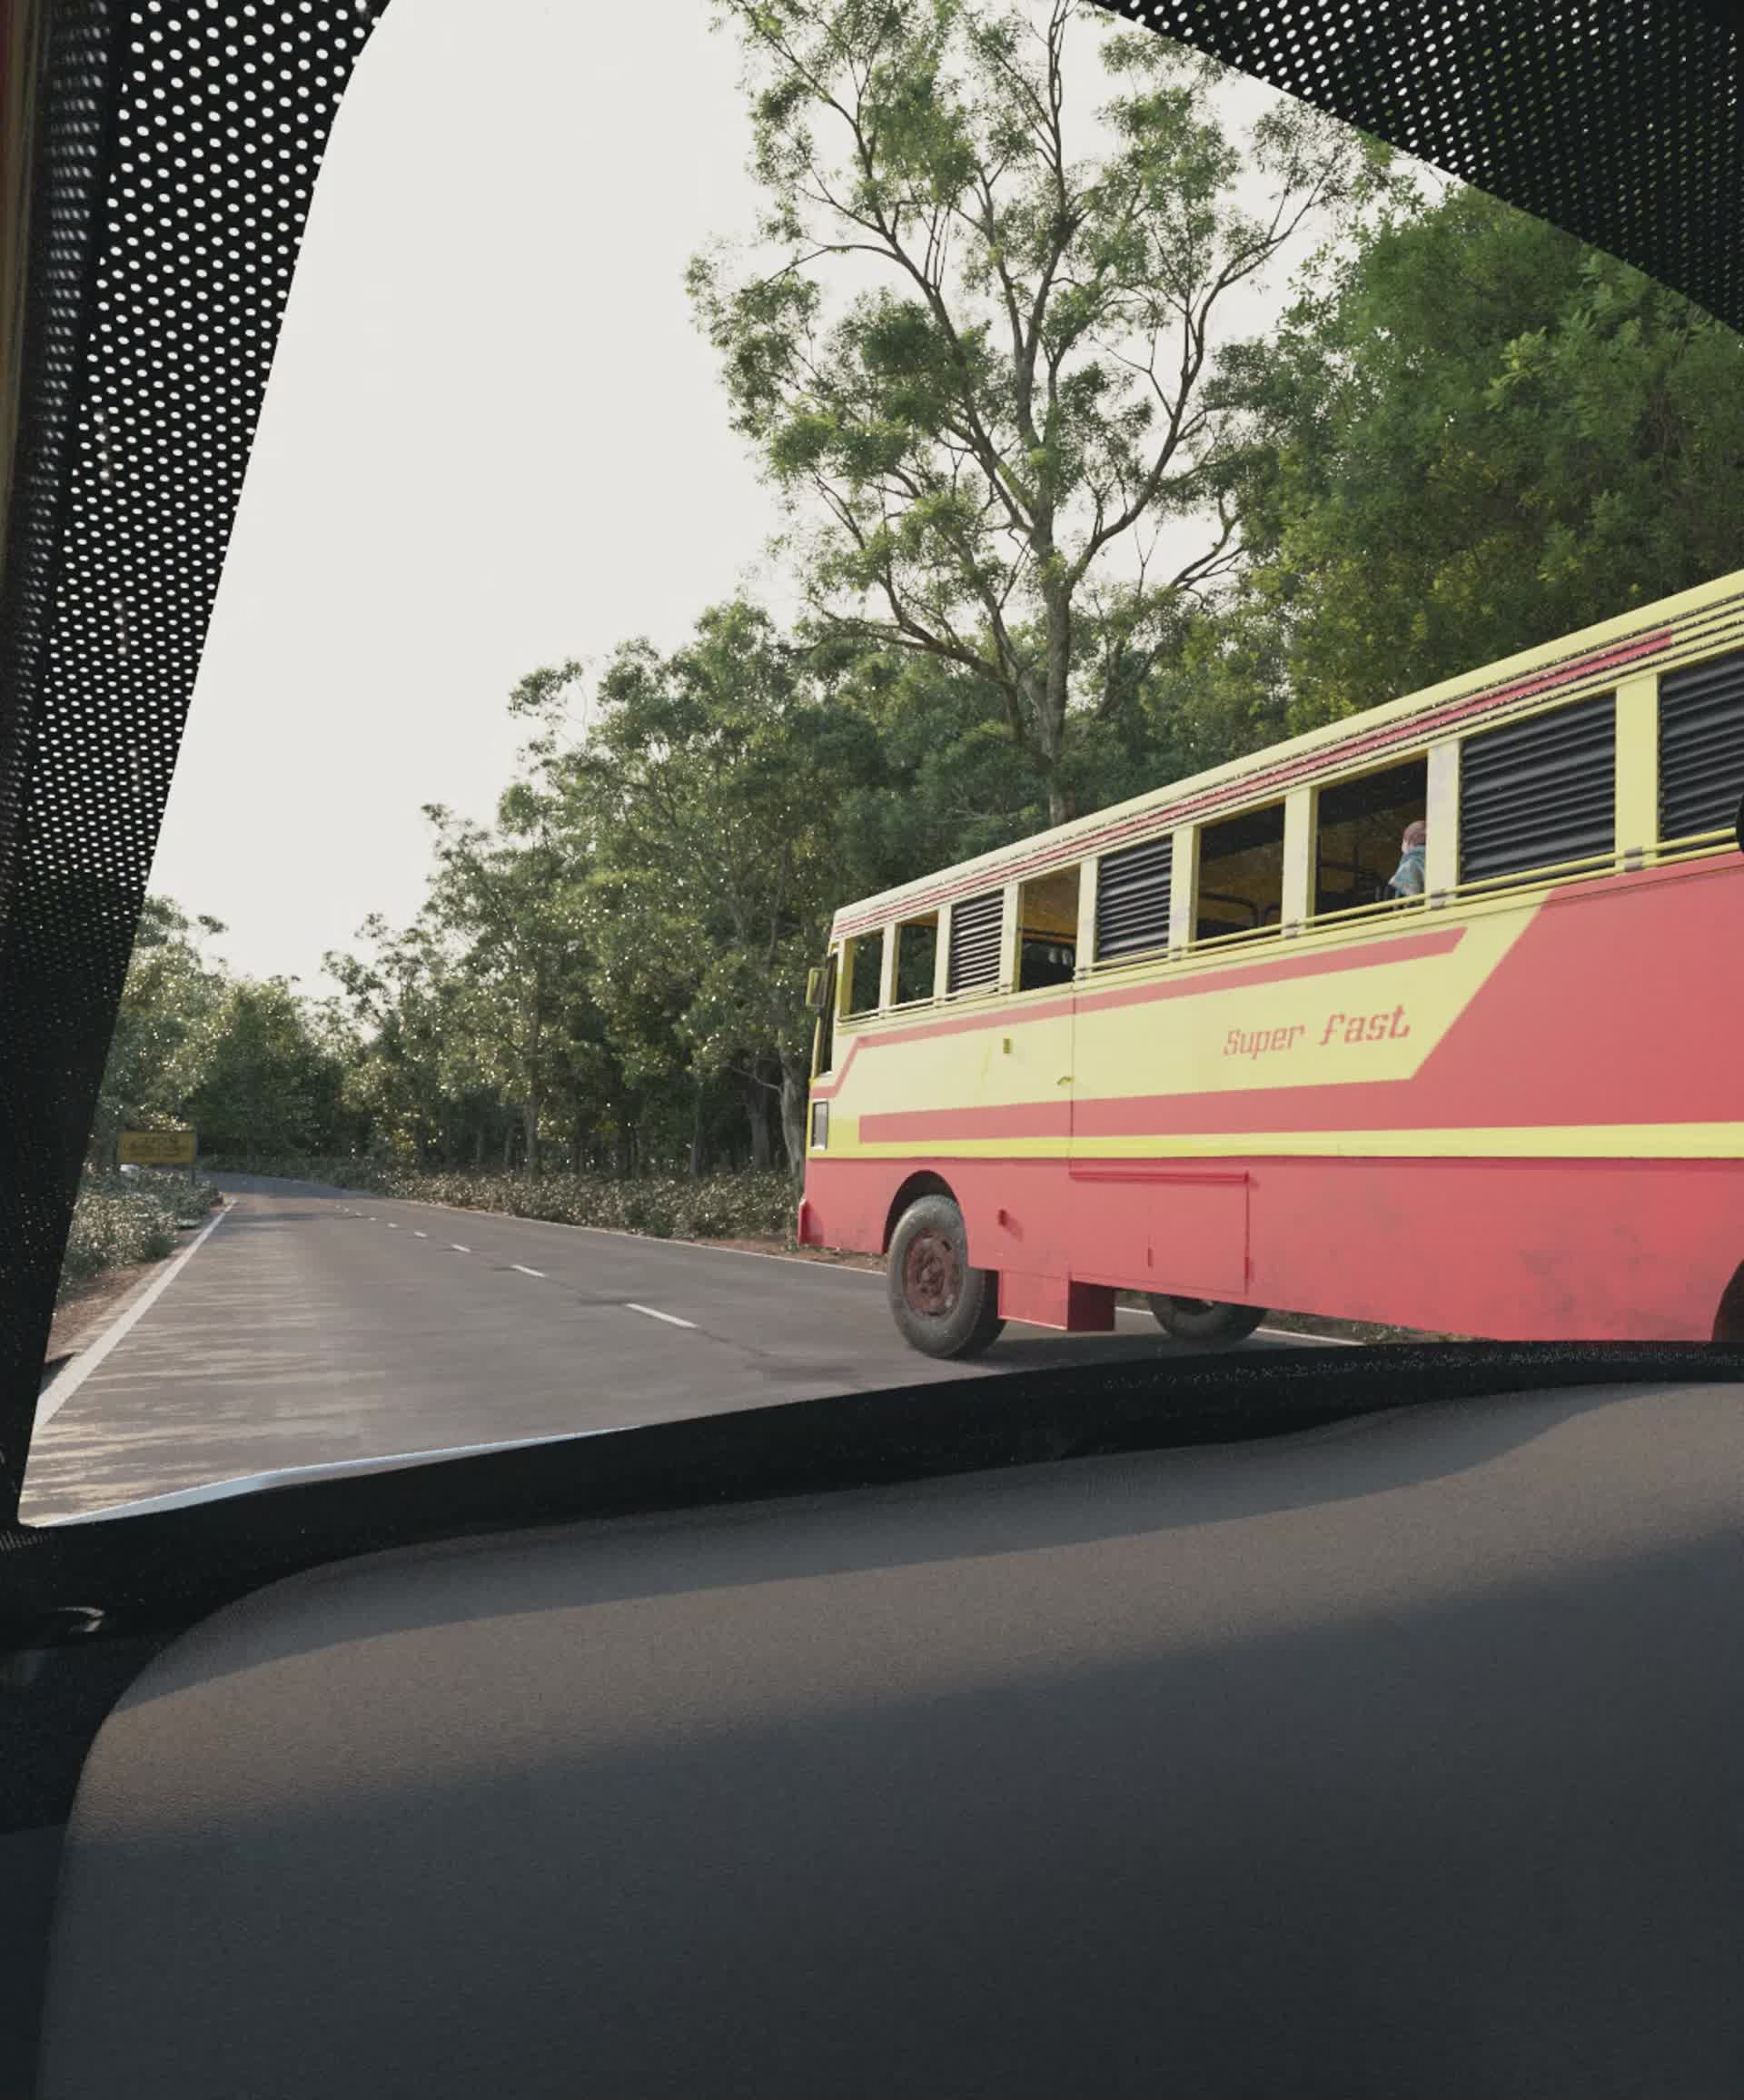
<point>941,1305</point>
<point>1205,1319</point>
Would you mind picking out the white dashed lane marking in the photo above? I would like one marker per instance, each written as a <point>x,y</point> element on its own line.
<point>671,1318</point>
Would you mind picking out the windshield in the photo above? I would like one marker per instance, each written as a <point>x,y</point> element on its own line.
<point>944,691</point>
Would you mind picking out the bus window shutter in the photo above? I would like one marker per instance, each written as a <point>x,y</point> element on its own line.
<point>1537,793</point>
<point>1132,890</point>
<point>1701,745</point>
<point>974,942</point>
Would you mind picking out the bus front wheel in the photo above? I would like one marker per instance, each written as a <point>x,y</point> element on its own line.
<point>942,1306</point>
<point>1205,1319</point>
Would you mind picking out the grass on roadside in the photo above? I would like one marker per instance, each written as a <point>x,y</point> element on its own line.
<point>735,1206</point>
<point>123,1219</point>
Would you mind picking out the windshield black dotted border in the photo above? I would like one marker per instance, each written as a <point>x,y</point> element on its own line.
<point>177,152</point>
<point>1621,121</point>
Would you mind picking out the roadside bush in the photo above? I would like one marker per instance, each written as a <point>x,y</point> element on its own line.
<point>743,1206</point>
<point>119,1219</point>
<point>737,1206</point>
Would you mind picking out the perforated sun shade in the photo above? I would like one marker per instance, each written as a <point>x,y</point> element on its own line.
<point>176,153</point>
<point>175,149</point>
<point>1621,121</point>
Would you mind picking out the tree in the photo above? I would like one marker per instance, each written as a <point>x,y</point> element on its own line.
<point>705,794</point>
<point>993,432</point>
<point>163,1027</point>
<point>268,1087</point>
<point>1469,434</point>
<point>507,909</point>
<point>403,998</point>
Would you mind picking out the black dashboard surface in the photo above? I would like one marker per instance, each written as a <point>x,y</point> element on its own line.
<point>1396,1758</point>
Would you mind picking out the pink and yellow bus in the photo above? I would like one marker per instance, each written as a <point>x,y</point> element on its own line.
<point>1195,1046</point>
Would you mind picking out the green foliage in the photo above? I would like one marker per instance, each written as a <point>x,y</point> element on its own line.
<point>704,803</point>
<point>120,1219</point>
<point>1472,435</point>
<point>267,1082</point>
<point>164,1028</point>
<point>666,1207</point>
<point>977,358</point>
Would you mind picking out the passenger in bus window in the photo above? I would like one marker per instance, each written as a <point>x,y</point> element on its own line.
<point>1408,876</point>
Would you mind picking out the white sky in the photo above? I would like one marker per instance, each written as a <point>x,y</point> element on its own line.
<point>492,439</point>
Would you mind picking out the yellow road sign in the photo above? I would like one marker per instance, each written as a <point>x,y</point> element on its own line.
<point>156,1148</point>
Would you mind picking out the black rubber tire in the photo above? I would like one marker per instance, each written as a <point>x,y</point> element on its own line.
<point>969,1318</point>
<point>1205,1319</point>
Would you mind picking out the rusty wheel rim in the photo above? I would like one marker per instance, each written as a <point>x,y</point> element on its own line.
<point>932,1276</point>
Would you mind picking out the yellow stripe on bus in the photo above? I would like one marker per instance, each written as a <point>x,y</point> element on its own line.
<point>1598,1141</point>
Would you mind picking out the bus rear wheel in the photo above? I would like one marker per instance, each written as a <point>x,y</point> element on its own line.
<point>942,1306</point>
<point>1205,1319</point>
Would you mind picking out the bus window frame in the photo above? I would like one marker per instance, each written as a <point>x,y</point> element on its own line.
<point>823,1041</point>
<point>851,947</point>
<point>1356,914</point>
<point>936,919</point>
<point>1013,934</point>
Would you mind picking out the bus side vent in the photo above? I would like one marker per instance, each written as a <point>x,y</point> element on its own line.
<point>1539,792</point>
<point>1702,746</point>
<point>1133,899</point>
<point>974,942</point>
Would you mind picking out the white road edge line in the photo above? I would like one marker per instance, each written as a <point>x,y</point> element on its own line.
<point>525,1270</point>
<point>1324,1341</point>
<point>458,1248</point>
<point>420,1235</point>
<point>66,1382</point>
<point>671,1318</point>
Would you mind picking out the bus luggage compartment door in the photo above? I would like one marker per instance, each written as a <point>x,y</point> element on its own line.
<point>1179,1230</point>
<point>1141,1216</point>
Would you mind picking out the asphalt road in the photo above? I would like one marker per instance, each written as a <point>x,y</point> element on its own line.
<point>311,1325</point>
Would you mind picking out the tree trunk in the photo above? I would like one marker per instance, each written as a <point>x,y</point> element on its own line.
<point>530,1123</point>
<point>699,1146</point>
<point>757,1113</point>
<point>508,1145</point>
<point>793,1113</point>
<point>1051,728</point>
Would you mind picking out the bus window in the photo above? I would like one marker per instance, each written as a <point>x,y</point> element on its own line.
<point>1133,894</point>
<point>1537,793</point>
<point>826,1044</point>
<point>1241,872</point>
<point>864,959</point>
<point>1047,920</point>
<point>1357,829</point>
<point>917,958</point>
<point>975,925</point>
<point>1702,746</point>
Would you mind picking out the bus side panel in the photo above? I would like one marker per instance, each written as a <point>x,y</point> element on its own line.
<point>1504,1249</point>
